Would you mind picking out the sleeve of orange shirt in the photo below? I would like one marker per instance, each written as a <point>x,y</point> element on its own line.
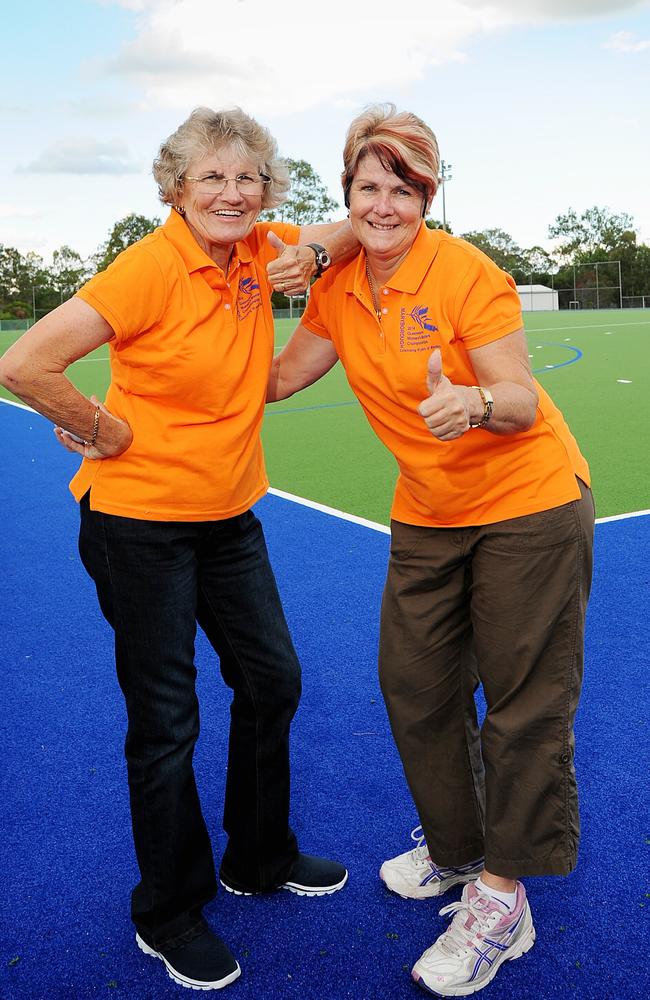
<point>486,306</point>
<point>311,318</point>
<point>131,294</point>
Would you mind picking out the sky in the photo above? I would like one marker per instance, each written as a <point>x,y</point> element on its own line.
<point>538,105</point>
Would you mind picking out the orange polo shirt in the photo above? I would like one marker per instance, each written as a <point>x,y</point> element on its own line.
<point>189,367</point>
<point>445,294</point>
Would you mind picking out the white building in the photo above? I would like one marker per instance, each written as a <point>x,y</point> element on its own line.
<point>536,297</point>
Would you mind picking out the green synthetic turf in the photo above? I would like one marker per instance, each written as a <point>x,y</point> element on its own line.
<point>319,445</point>
<point>604,397</point>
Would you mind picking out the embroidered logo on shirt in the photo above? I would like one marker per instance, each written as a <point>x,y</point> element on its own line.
<point>249,297</point>
<point>415,329</point>
<point>419,314</point>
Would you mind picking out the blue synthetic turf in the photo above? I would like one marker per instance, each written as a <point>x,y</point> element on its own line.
<point>67,862</point>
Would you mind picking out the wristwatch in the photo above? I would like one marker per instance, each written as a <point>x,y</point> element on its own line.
<point>323,259</point>
<point>488,404</point>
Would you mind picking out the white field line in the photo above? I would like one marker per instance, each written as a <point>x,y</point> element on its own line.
<point>586,326</point>
<point>341,514</point>
<point>21,406</point>
<point>622,517</point>
<point>386,530</point>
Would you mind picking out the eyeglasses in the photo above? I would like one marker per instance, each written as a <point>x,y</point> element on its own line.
<point>216,183</point>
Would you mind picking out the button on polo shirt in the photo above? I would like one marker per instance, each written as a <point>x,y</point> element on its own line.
<point>445,294</point>
<point>189,367</point>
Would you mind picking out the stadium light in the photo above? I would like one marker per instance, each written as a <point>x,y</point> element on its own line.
<point>445,175</point>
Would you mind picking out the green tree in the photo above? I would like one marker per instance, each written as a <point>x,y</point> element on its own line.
<point>308,200</point>
<point>30,288</point>
<point>539,267</point>
<point>539,260</point>
<point>9,270</point>
<point>16,310</point>
<point>502,249</point>
<point>600,235</point>
<point>437,224</point>
<point>635,270</point>
<point>596,231</point>
<point>128,230</point>
<point>34,285</point>
<point>69,271</point>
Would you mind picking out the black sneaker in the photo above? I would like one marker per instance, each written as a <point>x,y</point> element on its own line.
<point>204,963</point>
<point>309,877</point>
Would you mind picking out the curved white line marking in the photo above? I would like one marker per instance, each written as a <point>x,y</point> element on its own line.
<point>21,406</point>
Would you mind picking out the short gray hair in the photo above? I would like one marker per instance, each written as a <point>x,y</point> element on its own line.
<point>207,131</point>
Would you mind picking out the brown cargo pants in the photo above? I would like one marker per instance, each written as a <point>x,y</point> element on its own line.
<point>502,605</point>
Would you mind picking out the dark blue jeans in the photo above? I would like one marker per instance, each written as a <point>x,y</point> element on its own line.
<point>154,581</point>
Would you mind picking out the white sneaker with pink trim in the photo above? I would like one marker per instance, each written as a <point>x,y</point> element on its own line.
<point>481,937</point>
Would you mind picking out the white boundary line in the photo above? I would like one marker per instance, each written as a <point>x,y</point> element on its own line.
<point>331,510</point>
<point>386,530</point>
<point>622,517</point>
<point>584,326</point>
<point>21,406</point>
<point>341,514</point>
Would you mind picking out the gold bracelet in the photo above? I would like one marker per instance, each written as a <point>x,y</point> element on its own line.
<point>488,404</point>
<point>93,436</point>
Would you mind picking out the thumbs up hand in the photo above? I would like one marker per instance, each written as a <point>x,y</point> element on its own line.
<point>434,371</point>
<point>290,272</point>
<point>276,242</point>
<point>446,408</point>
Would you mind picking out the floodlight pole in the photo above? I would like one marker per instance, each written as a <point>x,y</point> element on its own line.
<point>445,175</point>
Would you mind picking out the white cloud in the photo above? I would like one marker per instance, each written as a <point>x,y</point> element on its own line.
<point>100,106</point>
<point>8,211</point>
<point>189,52</point>
<point>83,156</point>
<point>290,57</point>
<point>136,5</point>
<point>626,41</point>
<point>557,10</point>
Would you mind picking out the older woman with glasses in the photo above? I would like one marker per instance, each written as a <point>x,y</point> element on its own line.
<point>172,463</point>
<point>490,564</point>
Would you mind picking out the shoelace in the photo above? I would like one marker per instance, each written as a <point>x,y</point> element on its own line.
<point>418,837</point>
<point>420,852</point>
<point>458,938</point>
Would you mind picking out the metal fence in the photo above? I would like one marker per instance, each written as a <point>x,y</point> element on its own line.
<point>15,325</point>
<point>636,302</point>
<point>595,285</point>
<point>589,297</point>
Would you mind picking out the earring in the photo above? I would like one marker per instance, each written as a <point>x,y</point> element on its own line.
<point>180,209</point>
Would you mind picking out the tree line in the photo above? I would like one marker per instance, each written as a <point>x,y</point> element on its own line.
<point>30,287</point>
<point>598,235</point>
